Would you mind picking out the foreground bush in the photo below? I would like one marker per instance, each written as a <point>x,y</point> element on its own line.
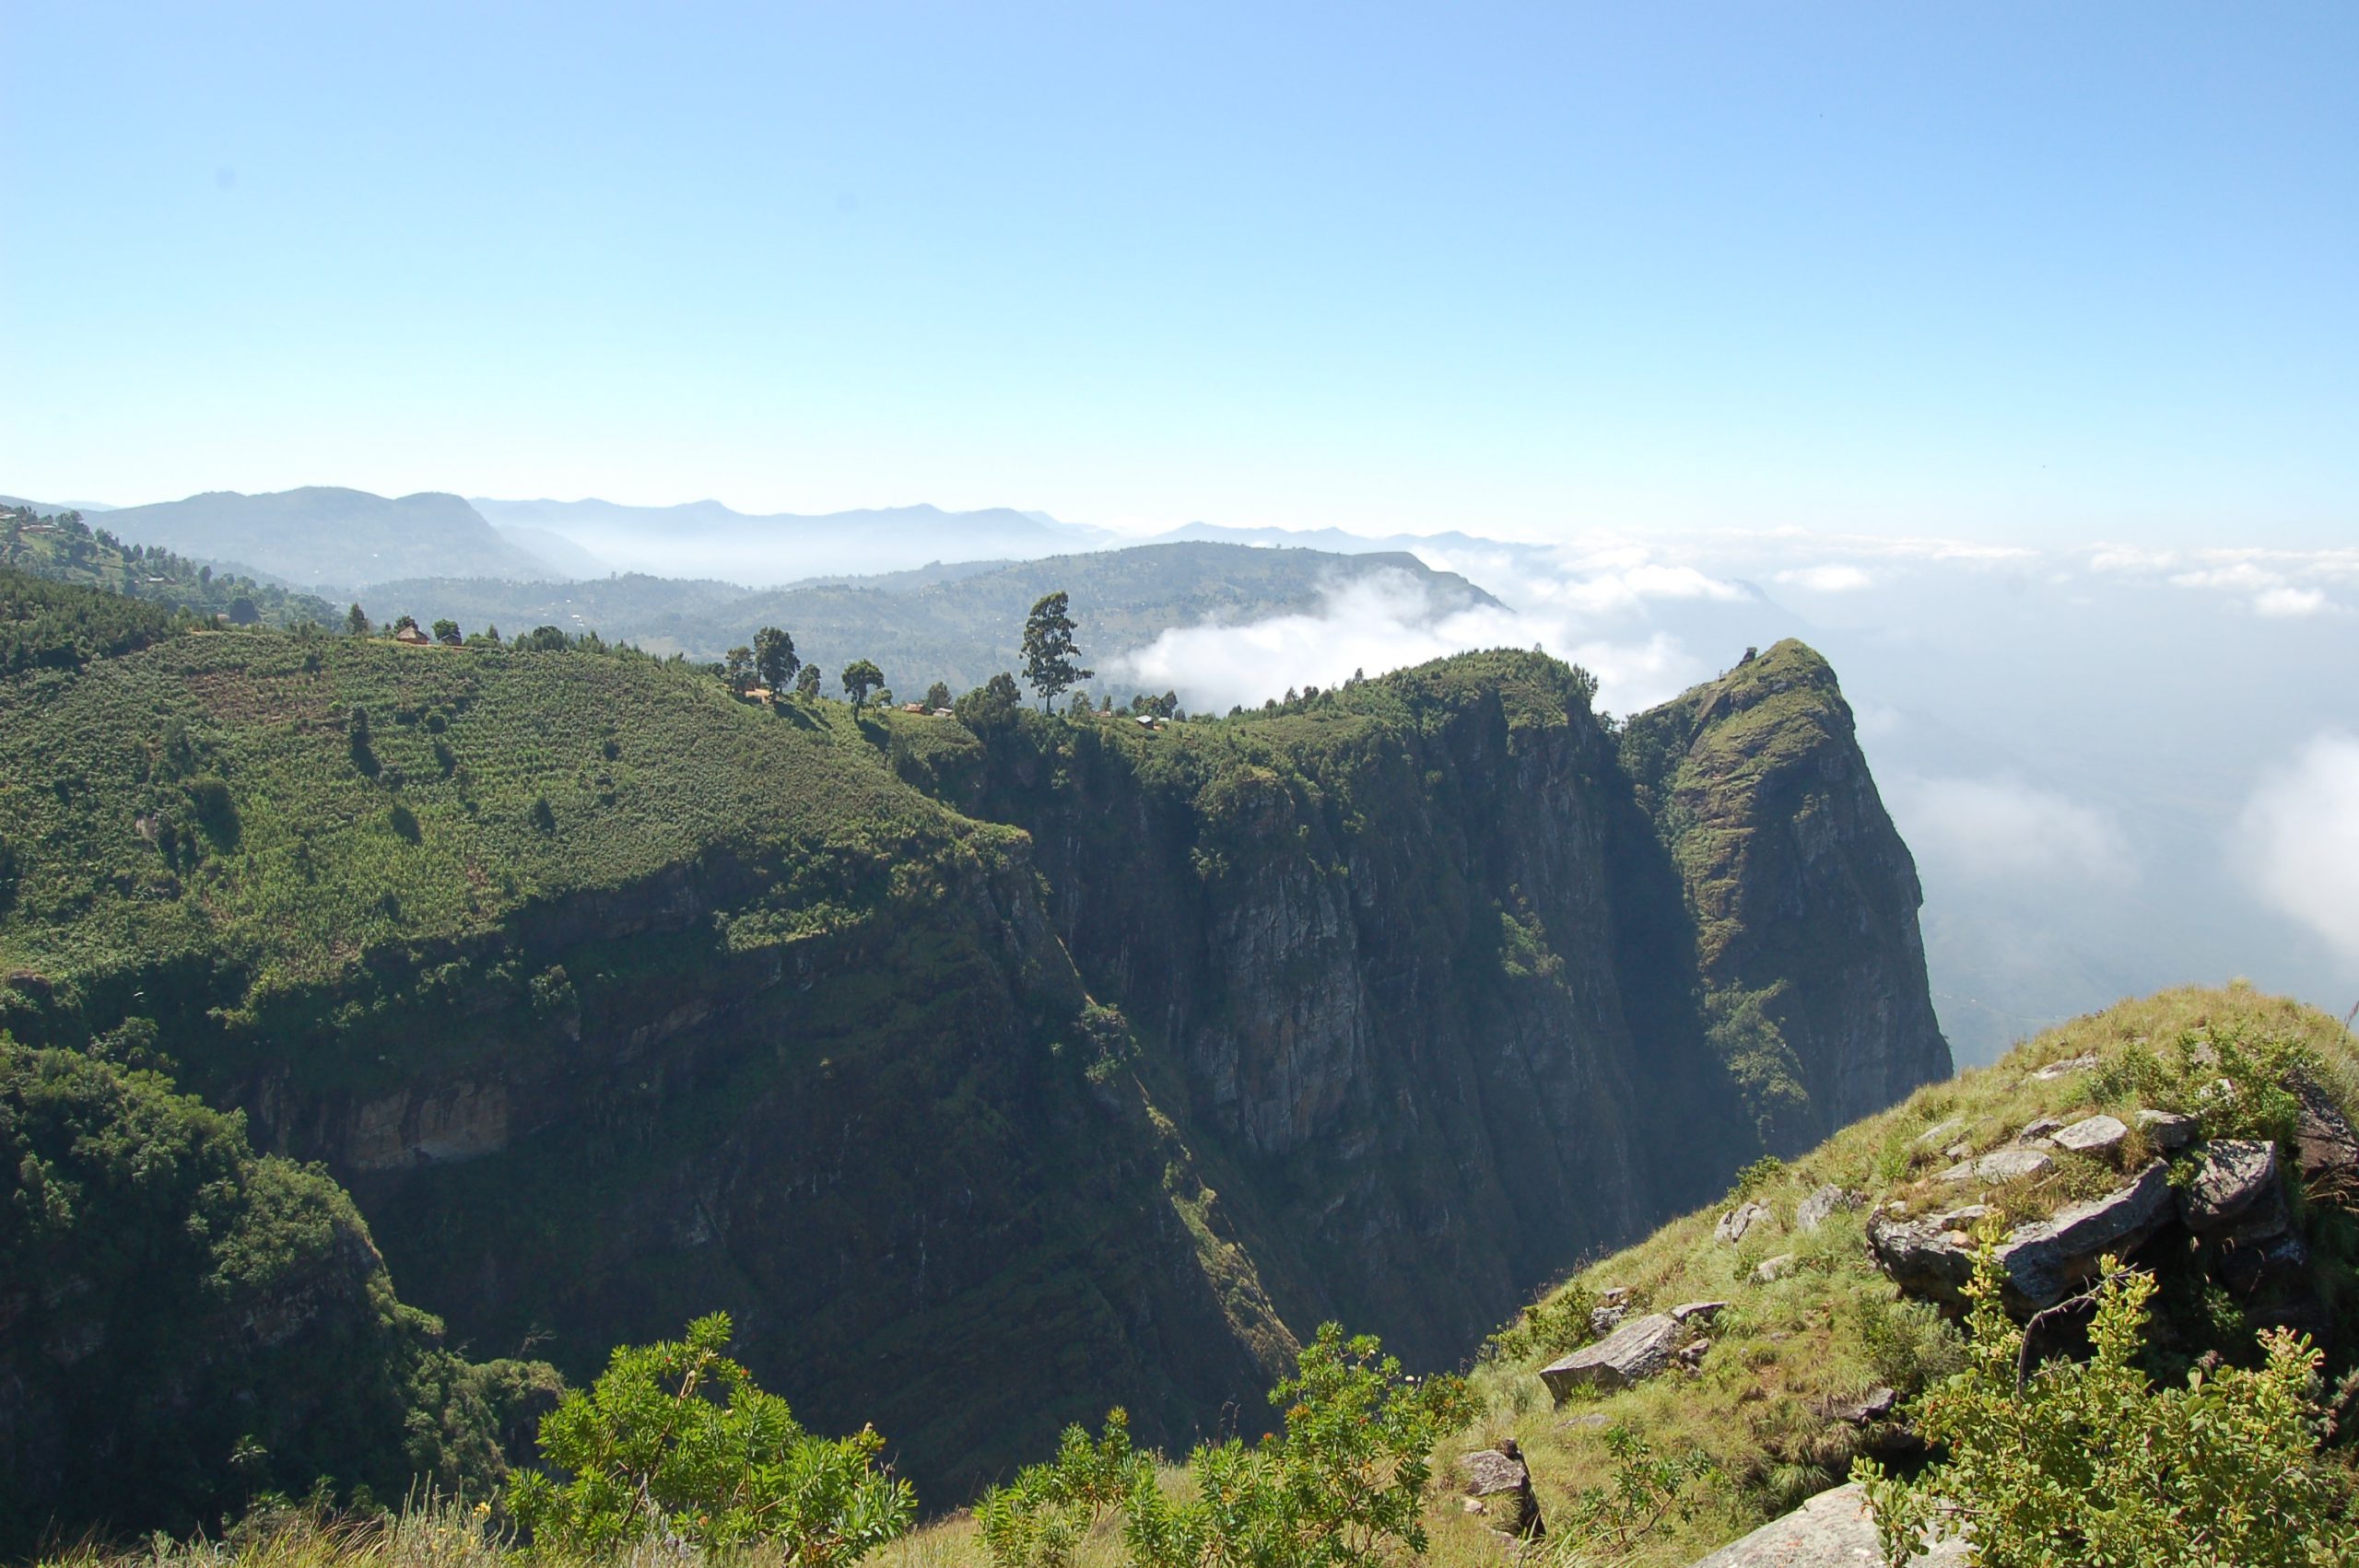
<point>674,1441</point>
<point>2088,1464</point>
<point>1342,1484</point>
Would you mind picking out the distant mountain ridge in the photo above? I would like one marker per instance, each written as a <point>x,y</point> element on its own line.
<point>708,539</point>
<point>328,536</point>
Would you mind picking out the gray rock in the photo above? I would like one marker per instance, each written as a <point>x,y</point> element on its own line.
<point>2234,1175</point>
<point>1696,1311</point>
<point>1820,1206</point>
<point>2040,1128</point>
<point>2093,1135</point>
<point>1832,1530</point>
<point>2167,1130</point>
<point>2328,1144</point>
<point>1738,1220</point>
<point>1499,1483</point>
<point>2065,1069</point>
<point>1769,1270</point>
<point>1925,1258</point>
<point>1941,1131</point>
<point>1694,1350</point>
<point>1634,1352</point>
<point>1873,1406</point>
<point>1603,1320</point>
<point>2044,1259</point>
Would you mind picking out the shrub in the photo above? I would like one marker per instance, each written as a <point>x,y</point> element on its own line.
<point>1342,1484</point>
<point>2073,1463</point>
<point>673,1439</point>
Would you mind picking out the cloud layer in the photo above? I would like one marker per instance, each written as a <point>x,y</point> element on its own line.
<point>2298,841</point>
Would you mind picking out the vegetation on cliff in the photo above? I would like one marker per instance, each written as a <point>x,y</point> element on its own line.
<point>186,1325</point>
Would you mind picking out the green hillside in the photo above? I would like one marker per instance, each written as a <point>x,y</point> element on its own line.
<point>66,548</point>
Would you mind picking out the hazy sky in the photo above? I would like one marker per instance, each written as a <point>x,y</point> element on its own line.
<point>1985,270</point>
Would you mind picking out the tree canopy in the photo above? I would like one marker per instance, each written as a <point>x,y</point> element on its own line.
<point>862,677</point>
<point>1051,656</point>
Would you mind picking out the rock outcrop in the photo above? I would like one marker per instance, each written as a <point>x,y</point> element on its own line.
<point>1636,1351</point>
<point>1834,1529</point>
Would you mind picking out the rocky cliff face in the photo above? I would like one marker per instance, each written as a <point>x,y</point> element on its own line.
<point>1104,1074</point>
<point>1804,898</point>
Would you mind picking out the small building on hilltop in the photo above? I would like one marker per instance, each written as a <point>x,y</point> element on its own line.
<point>411,637</point>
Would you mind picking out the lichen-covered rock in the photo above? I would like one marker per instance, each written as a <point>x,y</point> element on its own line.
<point>1834,1529</point>
<point>2232,1175</point>
<point>2092,1135</point>
<point>1631,1354</point>
<point>2043,1261</point>
<point>1926,1258</point>
<point>2328,1144</point>
<point>2065,1069</point>
<point>2000,1166</point>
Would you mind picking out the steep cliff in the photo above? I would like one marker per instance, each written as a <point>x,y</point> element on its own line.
<point>1093,1067</point>
<point>1804,898</point>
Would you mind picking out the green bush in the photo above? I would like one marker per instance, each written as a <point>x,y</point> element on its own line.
<point>674,1441</point>
<point>1340,1486</point>
<point>2072,1463</point>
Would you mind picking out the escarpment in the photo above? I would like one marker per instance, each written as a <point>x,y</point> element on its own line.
<point>986,1078</point>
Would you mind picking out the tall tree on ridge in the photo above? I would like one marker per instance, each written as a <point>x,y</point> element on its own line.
<point>1048,651</point>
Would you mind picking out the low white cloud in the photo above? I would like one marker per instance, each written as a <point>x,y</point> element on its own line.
<point>2283,602</point>
<point>1387,621</point>
<point>2005,830</point>
<point>2297,841</point>
<point>1833,576</point>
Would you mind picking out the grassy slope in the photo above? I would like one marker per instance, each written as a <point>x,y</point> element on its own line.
<point>1835,1327</point>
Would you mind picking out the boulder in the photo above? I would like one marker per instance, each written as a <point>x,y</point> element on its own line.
<point>1693,1352</point>
<point>1738,1220</point>
<point>1874,1405</point>
<point>1832,1530</point>
<point>1631,1354</point>
<point>2092,1135</point>
<point>2040,1126</point>
<point>2167,1130</point>
<point>1603,1320</point>
<point>1820,1206</point>
<point>1499,1483</point>
<point>2043,1261</point>
<point>2234,1175</point>
<point>1696,1311</point>
<point>1925,1258</point>
<point>1769,1270</point>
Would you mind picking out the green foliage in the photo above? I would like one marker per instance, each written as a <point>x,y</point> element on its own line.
<point>1549,1327</point>
<point>1757,1178</point>
<point>1607,1523</point>
<point>65,549</point>
<point>1342,1483</point>
<point>1050,658</point>
<point>190,1323</point>
<point>806,683</point>
<point>861,677</point>
<point>675,1440</point>
<point>2232,1080</point>
<point>2087,1463</point>
<point>990,706</point>
<point>1768,1073</point>
<point>446,631</point>
<point>937,695</point>
<point>774,660</point>
<point>737,670</point>
<point>48,625</point>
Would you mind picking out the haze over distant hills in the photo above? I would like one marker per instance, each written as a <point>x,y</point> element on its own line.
<point>328,536</point>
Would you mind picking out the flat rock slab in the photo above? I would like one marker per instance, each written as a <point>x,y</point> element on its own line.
<point>2065,1069</point>
<point>2044,1258</point>
<point>1925,1258</point>
<point>1689,1310</point>
<point>1637,1350</point>
<point>1832,1530</point>
<point>2093,1135</point>
<point>2234,1175</point>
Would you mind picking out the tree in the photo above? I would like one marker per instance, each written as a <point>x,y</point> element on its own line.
<point>1048,651</point>
<point>737,670</point>
<point>491,635</point>
<point>861,677</point>
<point>404,623</point>
<point>242,611</point>
<point>356,622</point>
<point>675,1439</point>
<point>2071,1463</point>
<point>937,695</point>
<point>550,640</point>
<point>990,706</point>
<point>806,683</point>
<point>774,658</point>
<point>447,631</point>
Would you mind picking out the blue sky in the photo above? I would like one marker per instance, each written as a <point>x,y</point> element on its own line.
<point>2001,271</point>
